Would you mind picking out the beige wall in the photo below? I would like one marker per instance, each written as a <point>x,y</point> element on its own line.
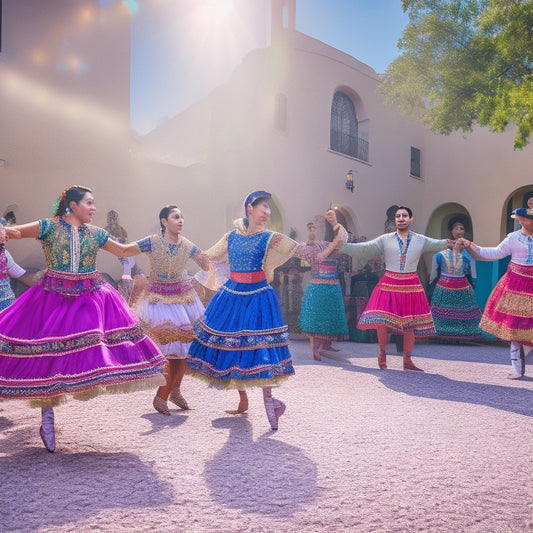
<point>60,128</point>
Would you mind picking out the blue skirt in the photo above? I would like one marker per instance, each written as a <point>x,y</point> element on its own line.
<point>242,340</point>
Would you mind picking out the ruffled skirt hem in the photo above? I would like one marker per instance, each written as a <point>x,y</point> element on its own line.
<point>239,384</point>
<point>149,383</point>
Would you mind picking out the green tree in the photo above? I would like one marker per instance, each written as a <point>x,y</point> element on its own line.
<point>464,63</point>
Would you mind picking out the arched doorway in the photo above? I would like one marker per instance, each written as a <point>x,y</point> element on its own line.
<point>518,198</point>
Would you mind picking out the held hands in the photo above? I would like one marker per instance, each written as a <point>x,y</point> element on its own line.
<point>462,243</point>
<point>342,234</point>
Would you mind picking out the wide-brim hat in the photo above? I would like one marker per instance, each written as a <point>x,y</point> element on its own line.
<point>522,212</point>
<point>253,196</point>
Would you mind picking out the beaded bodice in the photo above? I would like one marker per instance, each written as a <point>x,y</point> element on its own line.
<point>247,252</point>
<point>168,260</point>
<point>4,274</point>
<point>456,264</point>
<point>68,248</point>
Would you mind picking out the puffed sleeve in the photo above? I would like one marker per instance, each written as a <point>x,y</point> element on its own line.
<point>219,251</point>
<point>13,269</point>
<point>279,250</point>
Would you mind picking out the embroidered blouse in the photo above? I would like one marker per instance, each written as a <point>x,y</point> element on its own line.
<point>68,248</point>
<point>452,264</point>
<point>400,256</point>
<point>264,250</point>
<point>516,244</point>
<point>168,260</point>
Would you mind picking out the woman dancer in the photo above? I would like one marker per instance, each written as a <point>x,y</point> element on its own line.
<point>10,269</point>
<point>72,334</point>
<point>508,314</point>
<point>242,341</point>
<point>455,311</point>
<point>167,307</point>
<point>322,316</point>
<point>398,302</point>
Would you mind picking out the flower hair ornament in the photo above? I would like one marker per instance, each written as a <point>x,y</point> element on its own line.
<point>57,203</point>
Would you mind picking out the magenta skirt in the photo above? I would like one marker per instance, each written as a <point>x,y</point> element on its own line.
<point>73,334</point>
<point>399,302</point>
<point>508,313</point>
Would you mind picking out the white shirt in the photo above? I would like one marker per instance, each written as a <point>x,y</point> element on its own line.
<point>400,256</point>
<point>14,270</point>
<point>516,244</point>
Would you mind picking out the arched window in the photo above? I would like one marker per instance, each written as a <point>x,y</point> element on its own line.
<point>344,128</point>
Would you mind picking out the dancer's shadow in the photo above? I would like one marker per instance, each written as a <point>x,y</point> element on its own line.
<point>437,387</point>
<point>42,490</point>
<point>265,476</point>
<point>160,422</point>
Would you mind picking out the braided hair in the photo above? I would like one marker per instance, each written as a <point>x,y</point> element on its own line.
<point>72,194</point>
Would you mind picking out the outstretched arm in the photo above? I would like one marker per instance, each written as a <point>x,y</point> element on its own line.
<point>121,250</point>
<point>24,231</point>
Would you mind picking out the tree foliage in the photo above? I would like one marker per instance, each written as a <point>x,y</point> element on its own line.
<point>466,62</point>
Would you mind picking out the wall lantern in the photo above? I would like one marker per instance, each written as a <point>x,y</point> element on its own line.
<point>349,180</point>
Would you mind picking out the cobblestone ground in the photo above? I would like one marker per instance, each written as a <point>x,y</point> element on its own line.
<point>358,449</point>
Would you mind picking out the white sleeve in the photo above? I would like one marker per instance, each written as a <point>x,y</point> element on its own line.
<point>434,272</point>
<point>14,270</point>
<point>473,268</point>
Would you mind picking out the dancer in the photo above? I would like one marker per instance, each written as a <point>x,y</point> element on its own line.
<point>508,313</point>
<point>10,269</point>
<point>398,302</point>
<point>72,333</point>
<point>322,316</point>
<point>455,311</point>
<point>242,341</point>
<point>167,307</point>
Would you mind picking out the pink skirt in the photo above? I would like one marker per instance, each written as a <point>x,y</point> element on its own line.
<point>399,302</point>
<point>508,313</point>
<point>73,334</point>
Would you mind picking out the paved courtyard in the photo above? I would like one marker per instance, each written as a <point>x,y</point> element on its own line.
<point>358,449</point>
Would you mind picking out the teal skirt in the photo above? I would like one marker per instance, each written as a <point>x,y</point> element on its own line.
<point>322,314</point>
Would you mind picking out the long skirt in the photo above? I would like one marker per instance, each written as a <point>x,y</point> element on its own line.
<point>455,310</point>
<point>399,302</point>
<point>73,334</point>
<point>508,313</point>
<point>169,323</point>
<point>242,340</point>
<point>322,314</point>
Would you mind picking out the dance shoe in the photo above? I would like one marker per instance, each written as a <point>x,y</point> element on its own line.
<point>409,365</point>
<point>279,408</point>
<point>271,413</point>
<point>46,430</point>
<point>177,399</point>
<point>160,406</point>
<point>382,360</point>
<point>274,409</point>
